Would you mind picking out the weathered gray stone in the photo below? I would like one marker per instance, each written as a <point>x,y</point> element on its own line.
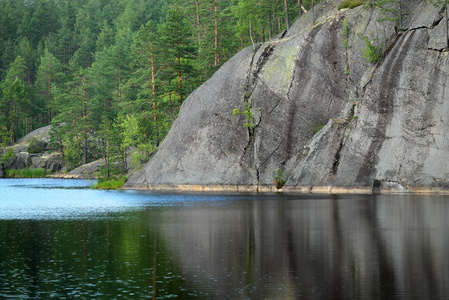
<point>52,162</point>
<point>42,133</point>
<point>386,123</point>
<point>85,171</point>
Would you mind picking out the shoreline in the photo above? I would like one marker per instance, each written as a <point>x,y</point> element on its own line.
<point>386,189</point>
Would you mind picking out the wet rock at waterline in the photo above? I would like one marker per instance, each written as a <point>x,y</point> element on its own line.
<point>320,112</point>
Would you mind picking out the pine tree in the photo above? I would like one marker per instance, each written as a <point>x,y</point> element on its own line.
<point>48,75</point>
<point>392,11</point>
<point>71,128</point>
<point>175,35</point>
<point>147,64</point>
<point>15,103</point>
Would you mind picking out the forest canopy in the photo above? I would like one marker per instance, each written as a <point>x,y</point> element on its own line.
<point>110,76</point>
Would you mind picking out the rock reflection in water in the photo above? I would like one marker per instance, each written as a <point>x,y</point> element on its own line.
<point>144,245</point>
<point>336,248</point>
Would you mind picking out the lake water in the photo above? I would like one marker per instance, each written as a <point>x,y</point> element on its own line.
<point>60,239</point>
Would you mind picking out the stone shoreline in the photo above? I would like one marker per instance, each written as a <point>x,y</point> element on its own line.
<point>387,189</point>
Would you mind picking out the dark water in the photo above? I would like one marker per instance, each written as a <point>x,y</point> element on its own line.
<point>59,239</point>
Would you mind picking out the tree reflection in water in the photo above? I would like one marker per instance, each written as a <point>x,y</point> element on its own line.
<point>235,246</point>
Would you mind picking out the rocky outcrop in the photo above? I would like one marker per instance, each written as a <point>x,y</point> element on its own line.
<point>385,124</point>
<point>51,161</point>
<point>42,134</point>
<point>85,171</point>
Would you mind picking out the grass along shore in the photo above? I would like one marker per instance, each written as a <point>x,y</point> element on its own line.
<point>26,173</point>
<point>110,183</point>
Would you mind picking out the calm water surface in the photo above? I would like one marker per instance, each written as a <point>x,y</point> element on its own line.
<point>60,239</point>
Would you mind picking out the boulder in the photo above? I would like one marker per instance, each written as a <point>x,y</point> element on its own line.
<point>85,171</point>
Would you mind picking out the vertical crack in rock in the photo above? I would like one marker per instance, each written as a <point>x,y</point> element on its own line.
<point>346,123</point>
<point>256,115</point>
<point>263,58</point>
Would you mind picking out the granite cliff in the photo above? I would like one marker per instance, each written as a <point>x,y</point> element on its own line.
<point>330,120</point>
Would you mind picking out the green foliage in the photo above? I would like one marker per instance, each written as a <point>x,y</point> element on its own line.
<point>110,183</point>
<point>316,129</point>
<point>279,179</point>
<point>48,76</point>
<point>345,34</point>
<point>110,76</point>
<point>248,113</point>
<point>36,146</point>
<point>350,4</point>
<point>5,136</point>
<point>26,173</point>
<point>141,155</point>
<point>371,53</point>
<point>8,156</point>
<point>391,10</point>
<point>72,151</point>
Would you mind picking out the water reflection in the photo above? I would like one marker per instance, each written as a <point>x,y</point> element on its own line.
<point>338,248</point>
<point>146,245</point>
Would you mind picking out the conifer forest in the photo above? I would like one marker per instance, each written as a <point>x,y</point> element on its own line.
<point>110,76</point>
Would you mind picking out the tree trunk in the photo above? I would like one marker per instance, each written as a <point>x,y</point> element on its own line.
<point>198,25</point>
<point>179,79</point>
<point>270,21</point>
<point>119,92</point>
<point>85,148</point>
<point>153,89</point>
<point>287,23</point>
<point>217,56</point>
<point>49,93</point>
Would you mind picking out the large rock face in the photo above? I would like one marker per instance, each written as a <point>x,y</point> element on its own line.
<point>385,124</point>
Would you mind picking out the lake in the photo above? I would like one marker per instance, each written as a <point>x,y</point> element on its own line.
<point>61,239</point>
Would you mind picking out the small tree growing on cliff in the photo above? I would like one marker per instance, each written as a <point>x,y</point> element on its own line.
<point>279,179</point>
<point>250,122</point>
<point>371,53</point>
<point>392,10</point>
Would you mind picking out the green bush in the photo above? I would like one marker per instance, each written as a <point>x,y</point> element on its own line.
<point>141,155</point>
<point>111,183</point>
<point>250,123</point>
<point>371,53</point>
<point>8,156</point>
<point>279,179</point>
<point>36,146</point>
<point>350,4</point>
